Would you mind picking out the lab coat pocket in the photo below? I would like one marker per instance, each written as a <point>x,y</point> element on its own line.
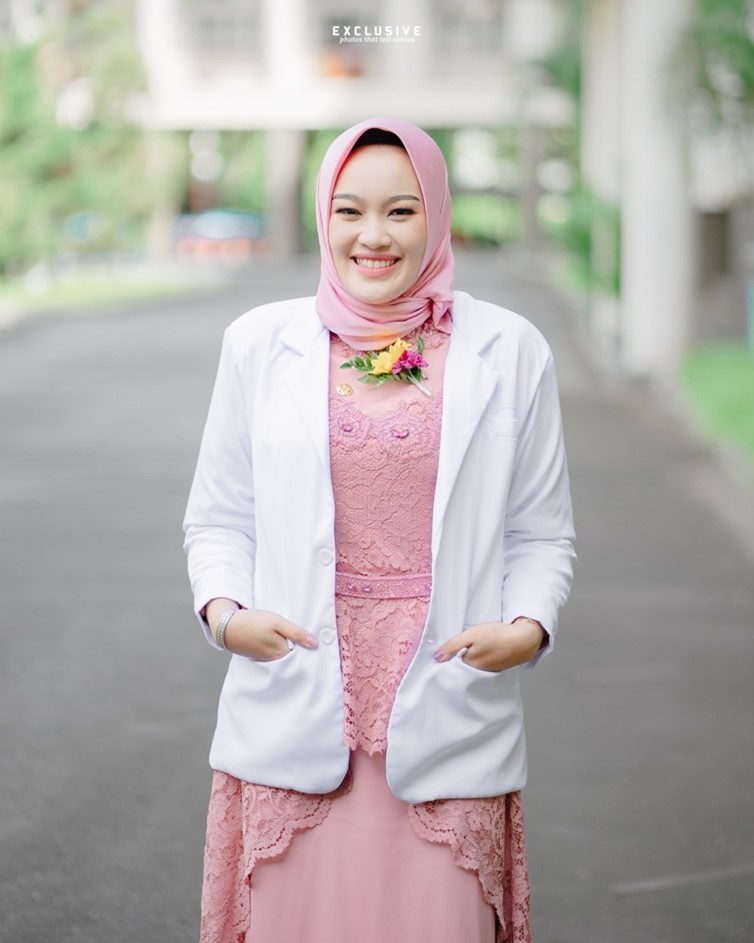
<point>277,673</point>
<point>456,730</point>
<point>473,668</point>
<point>499,425</point>
<point>483,691</point>
<point>272,661</point>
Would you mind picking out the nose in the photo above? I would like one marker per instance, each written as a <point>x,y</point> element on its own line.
<point>373,234</point>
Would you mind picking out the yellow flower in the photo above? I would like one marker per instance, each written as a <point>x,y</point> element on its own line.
<point>383,362</point>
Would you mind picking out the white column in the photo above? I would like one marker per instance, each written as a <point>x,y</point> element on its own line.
<point>657,219</point>
<point>531,27</point>
<point>162,43</point>
<point>600,97</point>
<point>287,64</point>
<point>287,50</point>
<point>284,154</point>
<point>601,157</point>
<point>402,63</point>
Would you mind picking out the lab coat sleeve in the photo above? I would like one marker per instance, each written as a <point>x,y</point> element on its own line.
<point>539,535</point>
<point>219,521</point>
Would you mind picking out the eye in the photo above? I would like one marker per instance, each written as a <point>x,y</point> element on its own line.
<point>403,211</point>
<point>348,211</point>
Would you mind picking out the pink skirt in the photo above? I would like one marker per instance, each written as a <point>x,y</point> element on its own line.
<point>357,869</point>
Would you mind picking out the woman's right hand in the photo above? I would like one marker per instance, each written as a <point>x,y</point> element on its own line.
<point>258,634</point>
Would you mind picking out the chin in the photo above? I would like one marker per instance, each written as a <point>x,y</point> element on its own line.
<point>375,298</point>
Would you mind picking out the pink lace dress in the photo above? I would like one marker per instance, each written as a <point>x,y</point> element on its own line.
<point>359,863</point>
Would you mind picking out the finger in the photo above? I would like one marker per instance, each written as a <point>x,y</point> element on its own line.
<point>297,635</point>
<point>453,646</point>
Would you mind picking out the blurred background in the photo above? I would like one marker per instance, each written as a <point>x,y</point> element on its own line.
<point>157,165</point>
<point>614,136</point>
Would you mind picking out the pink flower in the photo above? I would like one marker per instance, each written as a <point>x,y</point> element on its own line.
<point>408,360</point>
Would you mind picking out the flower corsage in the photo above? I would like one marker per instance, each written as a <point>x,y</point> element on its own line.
<point>399,361</point>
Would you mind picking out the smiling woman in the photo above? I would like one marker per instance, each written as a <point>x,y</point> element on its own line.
<point>380,550</point>
<point>378,228</point>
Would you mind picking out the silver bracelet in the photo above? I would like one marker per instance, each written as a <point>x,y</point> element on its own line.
<point>222,625</point>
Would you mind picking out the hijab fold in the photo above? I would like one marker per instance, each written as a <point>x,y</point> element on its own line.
<point>364,325</point>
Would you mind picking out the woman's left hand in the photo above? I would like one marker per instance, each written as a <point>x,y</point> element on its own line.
<point>495,646</point>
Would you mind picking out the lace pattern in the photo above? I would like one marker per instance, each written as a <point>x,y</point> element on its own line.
<point>247,823</point>
<point>486,836</point>
<point>383,587</point>
<point>378,638</point>
<point>383,538</point>
<point>383,517</point>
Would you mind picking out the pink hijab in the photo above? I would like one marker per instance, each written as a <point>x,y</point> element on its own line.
<point>359,323</point>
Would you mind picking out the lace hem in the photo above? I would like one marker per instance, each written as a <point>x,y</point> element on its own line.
<point>277,814</point>
<point>225,891</point>
<point>486,836</point>
<point>247,823</point>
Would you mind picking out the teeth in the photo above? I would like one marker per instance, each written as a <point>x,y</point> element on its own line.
<point>375,263</point>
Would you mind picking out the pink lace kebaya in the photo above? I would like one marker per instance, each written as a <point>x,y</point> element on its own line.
<point>261,841</point>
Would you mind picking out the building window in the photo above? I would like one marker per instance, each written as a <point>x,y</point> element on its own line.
<point>470,28</point>
<point>223,27</point>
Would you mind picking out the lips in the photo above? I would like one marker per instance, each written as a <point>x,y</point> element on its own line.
<point>374,263</point>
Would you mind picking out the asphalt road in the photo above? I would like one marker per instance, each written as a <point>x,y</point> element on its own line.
<point>640,808</point>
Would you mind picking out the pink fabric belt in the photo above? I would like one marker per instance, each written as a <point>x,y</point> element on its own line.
<point>383,587</point>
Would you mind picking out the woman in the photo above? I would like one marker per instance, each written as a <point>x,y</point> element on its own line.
<point>379,557</point>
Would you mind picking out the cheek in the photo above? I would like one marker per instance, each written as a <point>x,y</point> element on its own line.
<point>419,240</point>
<point>332,236</point>
<point>339,247</point>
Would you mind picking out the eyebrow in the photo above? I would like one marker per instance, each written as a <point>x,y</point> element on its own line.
<point>392,199</point>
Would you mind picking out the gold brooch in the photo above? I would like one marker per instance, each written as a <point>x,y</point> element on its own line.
<point>344,389</point>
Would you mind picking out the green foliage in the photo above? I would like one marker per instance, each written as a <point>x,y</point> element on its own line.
<point>590,234</point>
<point>720,383</point>
<point>242,184</point>
<point>562,65</point>
<point>490,218</point>
<point>51,173</point>
<point>316,145</point>
<point>711,70</point>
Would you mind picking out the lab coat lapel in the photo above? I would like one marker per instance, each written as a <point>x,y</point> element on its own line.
<point>307,377</point>
<point>468,384</point>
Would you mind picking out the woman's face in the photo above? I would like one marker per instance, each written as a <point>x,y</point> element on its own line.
<point>378,226</point>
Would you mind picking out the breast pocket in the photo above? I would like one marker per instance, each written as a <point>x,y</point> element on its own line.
<point>500,423</point>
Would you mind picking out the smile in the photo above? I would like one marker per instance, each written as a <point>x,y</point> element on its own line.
<point>375,263</point>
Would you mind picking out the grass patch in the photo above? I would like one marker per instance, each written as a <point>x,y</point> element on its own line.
<point>719,381</point>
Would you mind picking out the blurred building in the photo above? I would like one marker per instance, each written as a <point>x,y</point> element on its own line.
<point>291,66</point>
<point>684,199</point>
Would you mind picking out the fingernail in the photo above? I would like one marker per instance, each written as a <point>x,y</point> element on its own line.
<point>439,655</point>
<point>311,641</point>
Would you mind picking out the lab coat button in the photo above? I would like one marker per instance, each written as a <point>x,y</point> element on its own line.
<point>327,636</point>
<point>326,556</point>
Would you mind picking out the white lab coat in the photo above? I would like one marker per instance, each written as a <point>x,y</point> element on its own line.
<point>260,530</point>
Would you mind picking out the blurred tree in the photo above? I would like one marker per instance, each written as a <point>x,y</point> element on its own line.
<point>712,68</point>
<point>241,186</point>
<point>562,65</point>
<point>72,164</point>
